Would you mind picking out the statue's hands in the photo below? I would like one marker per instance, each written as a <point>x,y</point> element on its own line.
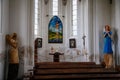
<point>107,31</point>
<point>13,43</point>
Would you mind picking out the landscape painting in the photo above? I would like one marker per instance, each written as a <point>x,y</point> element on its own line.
<point>55,30</point>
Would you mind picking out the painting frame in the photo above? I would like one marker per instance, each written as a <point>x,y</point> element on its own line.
<point>38,43</point>
<point>55,30</point>
<point>72,43</point>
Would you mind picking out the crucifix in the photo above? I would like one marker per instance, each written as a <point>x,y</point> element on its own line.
<point>84,40</point>
<point>84,50</point>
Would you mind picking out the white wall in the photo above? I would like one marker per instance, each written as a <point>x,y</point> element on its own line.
<point>93,15</point>
<point>5,30</point>
<point>43,30</point>
<point>65,11</point>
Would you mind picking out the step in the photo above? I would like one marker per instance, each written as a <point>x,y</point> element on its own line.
<point>74,71</point>
<point>78,76</point>
<point>67,65</point>
<point>56,63</point>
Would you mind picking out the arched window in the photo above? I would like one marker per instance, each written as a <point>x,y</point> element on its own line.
<point>55,7</point>
<point>74,17</point>
<point>36,18</point>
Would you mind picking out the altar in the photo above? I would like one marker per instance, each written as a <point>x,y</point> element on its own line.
<point>56,56</point>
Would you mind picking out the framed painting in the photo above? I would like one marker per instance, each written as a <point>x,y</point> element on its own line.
<point>38,43</point>
<point>72,43</point>
<point>55,30</point>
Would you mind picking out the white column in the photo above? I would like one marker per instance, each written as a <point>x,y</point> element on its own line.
<point>90,30</point>
<point>95,29</point>
<point>117,30</point>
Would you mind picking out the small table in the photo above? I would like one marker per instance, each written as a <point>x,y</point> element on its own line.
<point>56,56</point>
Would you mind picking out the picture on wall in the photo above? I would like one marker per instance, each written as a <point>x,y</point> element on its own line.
<point>38,43</point>
<point>55,30</point>
<point>72,43</point>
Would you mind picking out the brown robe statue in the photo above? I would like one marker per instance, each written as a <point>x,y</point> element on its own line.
<point>13,56</point>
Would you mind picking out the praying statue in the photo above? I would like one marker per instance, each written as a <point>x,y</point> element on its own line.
<point>12,56</point>
<point>108,52</point>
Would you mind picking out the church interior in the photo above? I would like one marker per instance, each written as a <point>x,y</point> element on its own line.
<point>58,39</point>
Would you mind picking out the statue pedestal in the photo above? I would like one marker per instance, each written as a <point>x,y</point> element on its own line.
<point>56,56</point>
